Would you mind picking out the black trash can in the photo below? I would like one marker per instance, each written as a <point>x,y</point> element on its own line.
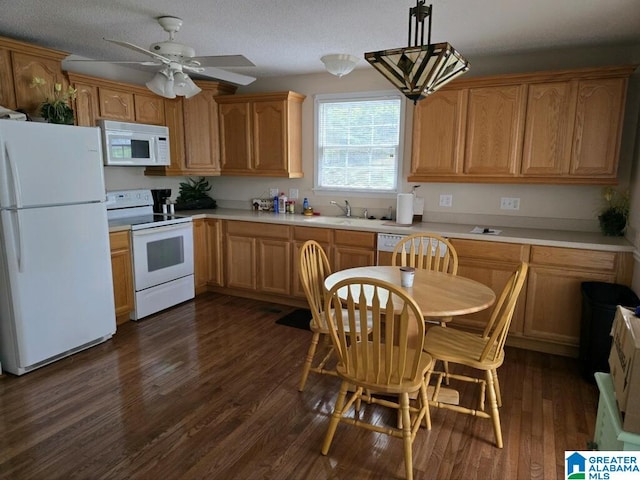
<point>599,301</point>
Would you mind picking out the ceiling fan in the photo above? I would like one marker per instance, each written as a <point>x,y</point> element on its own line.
<point>176,59</point>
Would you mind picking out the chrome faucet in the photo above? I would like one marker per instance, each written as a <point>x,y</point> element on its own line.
<point>346,209</point>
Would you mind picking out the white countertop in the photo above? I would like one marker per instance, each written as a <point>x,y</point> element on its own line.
<point>531,236</point>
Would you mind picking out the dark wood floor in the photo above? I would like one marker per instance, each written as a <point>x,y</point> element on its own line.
<point>208,390</point>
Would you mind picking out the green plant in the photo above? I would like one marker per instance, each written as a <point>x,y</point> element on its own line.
<point>613,217</point>
<point>193,195</point>
<point>56,107</point>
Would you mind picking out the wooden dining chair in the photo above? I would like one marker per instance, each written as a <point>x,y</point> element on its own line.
<point>428,251</point>
<point>480,351</point>
<point>313,268</point>
<point>390,361</point>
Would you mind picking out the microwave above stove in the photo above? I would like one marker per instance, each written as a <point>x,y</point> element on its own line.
<point>134,144</point>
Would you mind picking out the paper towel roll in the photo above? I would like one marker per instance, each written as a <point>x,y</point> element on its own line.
<point>404,209</point>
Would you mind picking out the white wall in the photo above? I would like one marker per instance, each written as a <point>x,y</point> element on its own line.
<point>544,206</point>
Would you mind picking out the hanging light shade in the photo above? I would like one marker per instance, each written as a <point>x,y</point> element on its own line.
<point>419,70</point>
<point>162,83</point>
<point>184,86</point>
<point>339,64</point>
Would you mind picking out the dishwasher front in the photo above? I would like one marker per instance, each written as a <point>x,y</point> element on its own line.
<point>386,243</point>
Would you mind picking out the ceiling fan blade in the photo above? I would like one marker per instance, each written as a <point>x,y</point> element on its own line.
<point>224,61</point>
<point>138,49</point>
<point>225,75</point>
<point>146,63</point>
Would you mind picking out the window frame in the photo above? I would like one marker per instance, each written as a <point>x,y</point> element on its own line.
<point>350,97</point>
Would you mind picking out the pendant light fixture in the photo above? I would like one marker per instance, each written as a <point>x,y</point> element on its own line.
<point>171,81</point>
<point>419,70</point>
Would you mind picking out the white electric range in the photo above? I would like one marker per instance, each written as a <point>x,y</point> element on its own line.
<point>162,251</point>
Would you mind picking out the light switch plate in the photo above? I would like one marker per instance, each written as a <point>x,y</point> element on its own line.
<point>293,194</point>
<point>509,203</point>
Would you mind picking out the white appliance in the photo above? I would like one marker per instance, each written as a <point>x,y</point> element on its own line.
<point>162,251</point>
<point>56,290</point>
<point>134,144</point>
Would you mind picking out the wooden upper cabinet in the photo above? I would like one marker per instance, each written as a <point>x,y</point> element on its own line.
<point>116,104</point>
<point>87,109</point>
<point>261,134</point>
<point>7,93</point>
<point>599,115</point>
<point>193,132</point>
<point>548,127</point>
<point>19,63</point>
<point>494,130</point>
<point>438,133</point>
<point>149,109</point>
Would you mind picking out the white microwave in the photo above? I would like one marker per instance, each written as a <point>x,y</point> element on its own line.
<point>134,144</point>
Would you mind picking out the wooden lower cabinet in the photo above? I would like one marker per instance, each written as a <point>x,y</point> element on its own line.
<point>353,249</point>
<point>490,263</point>
<point>122,272</point>
<point>207,252</point>
<point>300,235</point>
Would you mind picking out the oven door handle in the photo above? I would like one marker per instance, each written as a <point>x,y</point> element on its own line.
<point>166,228</point>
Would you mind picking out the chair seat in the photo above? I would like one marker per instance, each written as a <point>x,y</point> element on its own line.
<point>452,345</point>
<point>393,385</point>
<point>313,325</point>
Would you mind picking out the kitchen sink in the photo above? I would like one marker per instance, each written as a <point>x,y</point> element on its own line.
<point>341,221</point>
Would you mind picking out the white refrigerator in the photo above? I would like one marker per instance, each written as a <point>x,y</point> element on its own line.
<point>56,291</point>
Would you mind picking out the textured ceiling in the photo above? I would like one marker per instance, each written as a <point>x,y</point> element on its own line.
<point>284,37</point>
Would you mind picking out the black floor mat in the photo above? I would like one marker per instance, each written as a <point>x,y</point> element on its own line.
<point>299,318</point>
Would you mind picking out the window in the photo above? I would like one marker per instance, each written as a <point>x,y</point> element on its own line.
<point>358,141</point>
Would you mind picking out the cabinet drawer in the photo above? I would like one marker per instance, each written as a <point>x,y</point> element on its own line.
<point>504,252</point>
<point>355,239</point>
<point>258,230</point>
<point>119,240</point>
<point>573,258</point>
<point>320,235</point>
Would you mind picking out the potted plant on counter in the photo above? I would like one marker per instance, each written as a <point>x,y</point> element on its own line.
<point>193,195</point>
<point>613,218</point>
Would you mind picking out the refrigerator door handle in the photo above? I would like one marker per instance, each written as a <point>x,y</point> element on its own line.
<point>14,185</point>
<point>17,238</point>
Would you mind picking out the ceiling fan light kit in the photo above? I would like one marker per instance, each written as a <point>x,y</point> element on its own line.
<point>176,59</point>
<point>339,64</point>
<point>419,70</point>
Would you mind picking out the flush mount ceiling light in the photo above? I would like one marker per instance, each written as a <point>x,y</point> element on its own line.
<point>419,70</point>
<point>339,64</point>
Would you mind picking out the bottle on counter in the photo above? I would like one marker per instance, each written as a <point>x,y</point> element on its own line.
<point>305,204</point>
<point>282,205</point>
<point>275,204</point>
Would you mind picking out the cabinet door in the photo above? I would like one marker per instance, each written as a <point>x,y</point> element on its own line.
<point>149,109</point>
<point>494,130</point>
<point>490,263</point>
<point>549,128</point>
<point>269,137</point>
<point>596,139</point>
<point>116,105</point>
<point>274,266</point>
<point>202,148</point>
<point>214,249</point>
<point>235,137</point>
<point>438,134</point>
<point>241,262</point>
<point>7,93</point>
<point>122,273</point>
<point>25,67</point>
<point>87,109</point>
<point>200,256</point>
<point>553,302</point>
<point>301,235</point>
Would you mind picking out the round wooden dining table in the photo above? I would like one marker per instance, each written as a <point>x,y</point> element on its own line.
<point>440,295</point>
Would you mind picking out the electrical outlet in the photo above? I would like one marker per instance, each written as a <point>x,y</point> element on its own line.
<point>293,194</point>
<point>446,200</point>
<point>274,192</point>
<point>509,203</point>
